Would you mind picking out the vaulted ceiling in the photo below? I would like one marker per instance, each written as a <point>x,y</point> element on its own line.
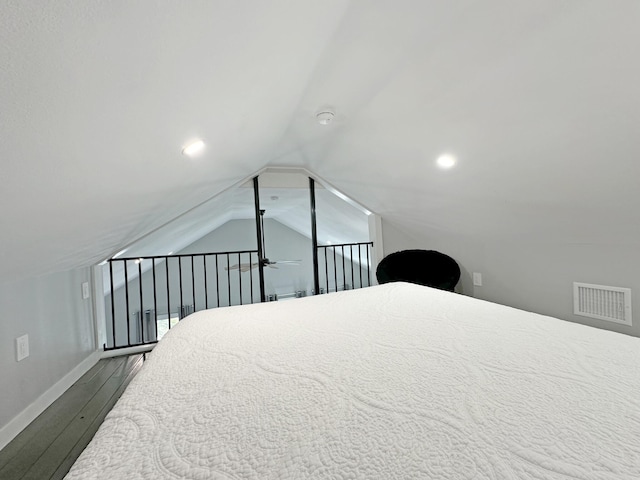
<point>538,100</point>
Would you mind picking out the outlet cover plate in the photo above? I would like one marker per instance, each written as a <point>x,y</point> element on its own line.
<point>85,290</point>
<point>22,347</point>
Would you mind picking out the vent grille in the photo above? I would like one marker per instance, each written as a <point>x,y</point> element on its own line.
<point>612,304</point>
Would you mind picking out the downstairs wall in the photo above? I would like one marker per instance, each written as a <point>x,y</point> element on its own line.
<point>59,322</point>
<point>537,277</point>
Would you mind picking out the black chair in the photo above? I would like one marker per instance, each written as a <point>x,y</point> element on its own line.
<point>424,267</point>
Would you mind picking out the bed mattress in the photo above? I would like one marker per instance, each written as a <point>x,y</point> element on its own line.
<point>392,381</point>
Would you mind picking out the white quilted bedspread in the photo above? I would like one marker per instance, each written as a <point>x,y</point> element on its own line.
<point>395,381</point>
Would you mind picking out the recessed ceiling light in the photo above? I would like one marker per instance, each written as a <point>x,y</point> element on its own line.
<point>446,161</point>
<point>193,148</point>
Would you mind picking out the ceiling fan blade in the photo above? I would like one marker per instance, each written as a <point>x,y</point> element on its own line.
<point>243,267</point>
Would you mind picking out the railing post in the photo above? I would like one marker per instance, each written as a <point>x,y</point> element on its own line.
<point>256,199</point>
<point>141,301</point>
<point>314,236</point>
<point>126,294</point>
<point>166,267</point>
<point>113,305</point>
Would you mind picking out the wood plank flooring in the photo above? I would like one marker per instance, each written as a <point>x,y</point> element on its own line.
<point>49,446</point>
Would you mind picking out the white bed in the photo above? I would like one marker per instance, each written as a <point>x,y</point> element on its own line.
<point>394,381</point>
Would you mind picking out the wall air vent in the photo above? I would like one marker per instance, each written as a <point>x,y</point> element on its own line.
<point>612,304</point>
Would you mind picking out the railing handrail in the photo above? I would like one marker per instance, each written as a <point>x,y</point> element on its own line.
<point>345,244</point>
<point>151,257</point>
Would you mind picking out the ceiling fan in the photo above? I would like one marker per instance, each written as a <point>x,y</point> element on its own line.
<point>245,267</point>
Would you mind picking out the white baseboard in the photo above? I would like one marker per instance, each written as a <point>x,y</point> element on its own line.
<point>29,414</point>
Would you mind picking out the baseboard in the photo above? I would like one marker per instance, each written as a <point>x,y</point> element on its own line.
<point>29,414</point>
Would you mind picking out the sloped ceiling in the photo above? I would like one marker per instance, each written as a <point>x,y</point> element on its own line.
<point>282,199</point>
<point>538,100</point>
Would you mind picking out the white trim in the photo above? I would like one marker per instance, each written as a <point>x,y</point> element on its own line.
<point>128,351</point>
<point>321,181</point>
<point>375,236</point>
<point>99,316</point>
<point>29,414</point>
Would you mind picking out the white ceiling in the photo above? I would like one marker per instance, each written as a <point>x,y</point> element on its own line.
<point>538,100</point>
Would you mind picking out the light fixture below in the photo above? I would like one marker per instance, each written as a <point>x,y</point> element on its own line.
<point>325,117</point>
<point>446,161</point>
<point>193,148</point>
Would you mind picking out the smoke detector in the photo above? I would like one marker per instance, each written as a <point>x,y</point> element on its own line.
<point>325,117</point>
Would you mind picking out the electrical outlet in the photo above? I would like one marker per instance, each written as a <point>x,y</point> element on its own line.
<point>22,347</point>
<point>477,279</point>
<point>85,290</point>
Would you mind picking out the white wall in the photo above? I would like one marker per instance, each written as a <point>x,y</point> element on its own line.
<point>51,310</point>
<point>537,277</point>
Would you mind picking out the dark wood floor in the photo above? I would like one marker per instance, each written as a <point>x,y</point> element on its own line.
<point>49,446</point>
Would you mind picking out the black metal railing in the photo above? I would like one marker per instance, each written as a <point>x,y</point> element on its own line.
<point>173,286</point>
<point>349,263</point>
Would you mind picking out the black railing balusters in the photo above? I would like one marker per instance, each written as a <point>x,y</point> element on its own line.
<point>193,283</point>
<point>126,293</point>
<point>326,269</point>
<point>335,267</point>
<point>240,275</point>
<point>368,268</point>
<point>166,266</point>
<point>206,292</point>
<point>144,333</point>
<point>217,282</point>
<point>344,275</point>
<point>353,282</point>
<point>181,310</point>
<point>155,300</point>
<point>251,276</point>
<point>360,263</point>
<point>141,314</point>
<point>229,278</point>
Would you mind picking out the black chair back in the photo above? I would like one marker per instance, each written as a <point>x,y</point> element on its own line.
<point>424,267</point>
